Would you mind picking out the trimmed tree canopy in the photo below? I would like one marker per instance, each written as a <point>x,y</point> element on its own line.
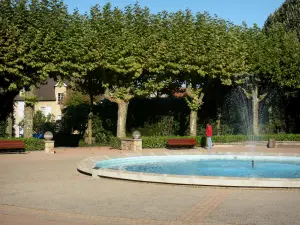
<point>288,14</point>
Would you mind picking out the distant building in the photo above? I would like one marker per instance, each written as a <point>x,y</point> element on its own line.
<point>50,97</point>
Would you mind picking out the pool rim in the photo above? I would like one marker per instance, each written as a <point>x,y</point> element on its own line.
<point>87,166</point>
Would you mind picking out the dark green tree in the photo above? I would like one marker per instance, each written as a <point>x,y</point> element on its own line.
<point>30,34</point>
<point>199,50</point>
<point>287,14</point>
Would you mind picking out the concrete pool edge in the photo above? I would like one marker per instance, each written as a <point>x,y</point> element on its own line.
<point>87,166</point>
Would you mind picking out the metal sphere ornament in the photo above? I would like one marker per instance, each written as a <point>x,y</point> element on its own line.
<point>48,136</point>
<point>136,134</point>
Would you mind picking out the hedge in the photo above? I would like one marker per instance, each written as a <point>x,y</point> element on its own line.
<point>114,142</point>
<point>243,138</point>
<point>162,141</point>
<point>31,144</point>
<point>82,143</point>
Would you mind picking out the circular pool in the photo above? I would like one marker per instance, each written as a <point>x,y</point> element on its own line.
<point>218,170</point>
<point>208,165</point>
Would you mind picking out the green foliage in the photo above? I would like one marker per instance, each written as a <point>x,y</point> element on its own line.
<point>82,143</point>
<point>163,126</point>
<point>30,33</point>
<point>156,141</point>
<point>287,14</point>
<point>132,52</point>
<point>31,144</point>
<point>162,141</point>
<point>115,143</point>
<point>42,123</point>
<point>75,113</point>
<point>283,29</point>
<point>34,144</point>
<point>243,138</point>
<point>75,98</point>
<point>3,125</point>
<point>66,139</point>
<point>101,133</point>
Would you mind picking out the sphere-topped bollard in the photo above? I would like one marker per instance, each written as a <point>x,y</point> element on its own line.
<point>48,136</point>
<point>49,143</point>
<point>136,134</point>
<point>132,144</point>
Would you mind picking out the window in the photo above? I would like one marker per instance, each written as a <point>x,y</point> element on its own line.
<point>46,110</point>
<point>60,98</point>
<point>43,110</point>
<point>22,92</point>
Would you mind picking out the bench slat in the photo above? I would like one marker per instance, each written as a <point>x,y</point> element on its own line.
<point>12,144</point>
<point>182,141</point>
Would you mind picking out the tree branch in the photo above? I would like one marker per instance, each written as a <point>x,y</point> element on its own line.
<point>189,91</point>
<point>248,95</point>
<point>201,98</point>
<point>262,97</point>
<point>108,96</point>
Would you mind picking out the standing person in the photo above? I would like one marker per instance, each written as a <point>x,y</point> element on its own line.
<point>208,135</point>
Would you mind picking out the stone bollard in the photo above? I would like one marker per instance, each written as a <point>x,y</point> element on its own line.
<point>271,143</point>
<point>49,143</point>
<point>49,146</point>
<point>95,173</point>
<point>134,145</point>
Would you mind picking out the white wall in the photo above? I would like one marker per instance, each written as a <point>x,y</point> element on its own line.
<point>18,115</point>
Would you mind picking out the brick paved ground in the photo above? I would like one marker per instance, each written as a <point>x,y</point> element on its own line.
<point>46,189</point>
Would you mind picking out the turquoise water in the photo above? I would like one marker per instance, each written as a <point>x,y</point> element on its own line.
<point>226,166</point>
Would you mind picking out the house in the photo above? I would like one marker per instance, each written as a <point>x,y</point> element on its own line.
<point>50,97</point>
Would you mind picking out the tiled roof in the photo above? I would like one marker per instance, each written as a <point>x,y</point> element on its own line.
<point>44,92</point>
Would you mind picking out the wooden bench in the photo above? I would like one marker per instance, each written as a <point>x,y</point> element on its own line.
<point>182,142</point>
<point>12,145</point>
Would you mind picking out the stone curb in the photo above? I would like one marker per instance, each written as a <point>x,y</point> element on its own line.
<point>87,166</point>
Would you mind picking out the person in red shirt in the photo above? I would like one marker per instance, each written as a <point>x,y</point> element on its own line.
<point>208,135</point>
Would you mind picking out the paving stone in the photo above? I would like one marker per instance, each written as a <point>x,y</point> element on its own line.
<point>47,189</point>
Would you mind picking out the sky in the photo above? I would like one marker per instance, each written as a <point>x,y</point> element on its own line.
<point>237,11</point>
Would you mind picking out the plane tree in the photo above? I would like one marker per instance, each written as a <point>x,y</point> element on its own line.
<point>82,57</point>
<point>131,67</point>
<point>201,50</point>
<point>29,34</point>
<point>272,60</point>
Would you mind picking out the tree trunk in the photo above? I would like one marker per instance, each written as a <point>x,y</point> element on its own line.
<point>270,112</point>
<point>255,108</point>
<point>90,128</point>
<point>122,116</point>
<point>193,123</point>
<point>90,121</point>
<point>256,99</point>
<point>29,112</point>
<point>28,120</point>
<point>194,104</point>
<point>218,122</point>
<point>9,128</point>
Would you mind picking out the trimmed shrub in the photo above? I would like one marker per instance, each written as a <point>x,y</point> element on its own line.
<point>97,144</point>
<point>34,144</point>
<point>3,125</point>
<point>101,130</point>
<point>243,138</point>
<point>31,144</point>
<point>162,126</point>
<point>162,142</point>
<point>115,142</point>
<point>66,140</point>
